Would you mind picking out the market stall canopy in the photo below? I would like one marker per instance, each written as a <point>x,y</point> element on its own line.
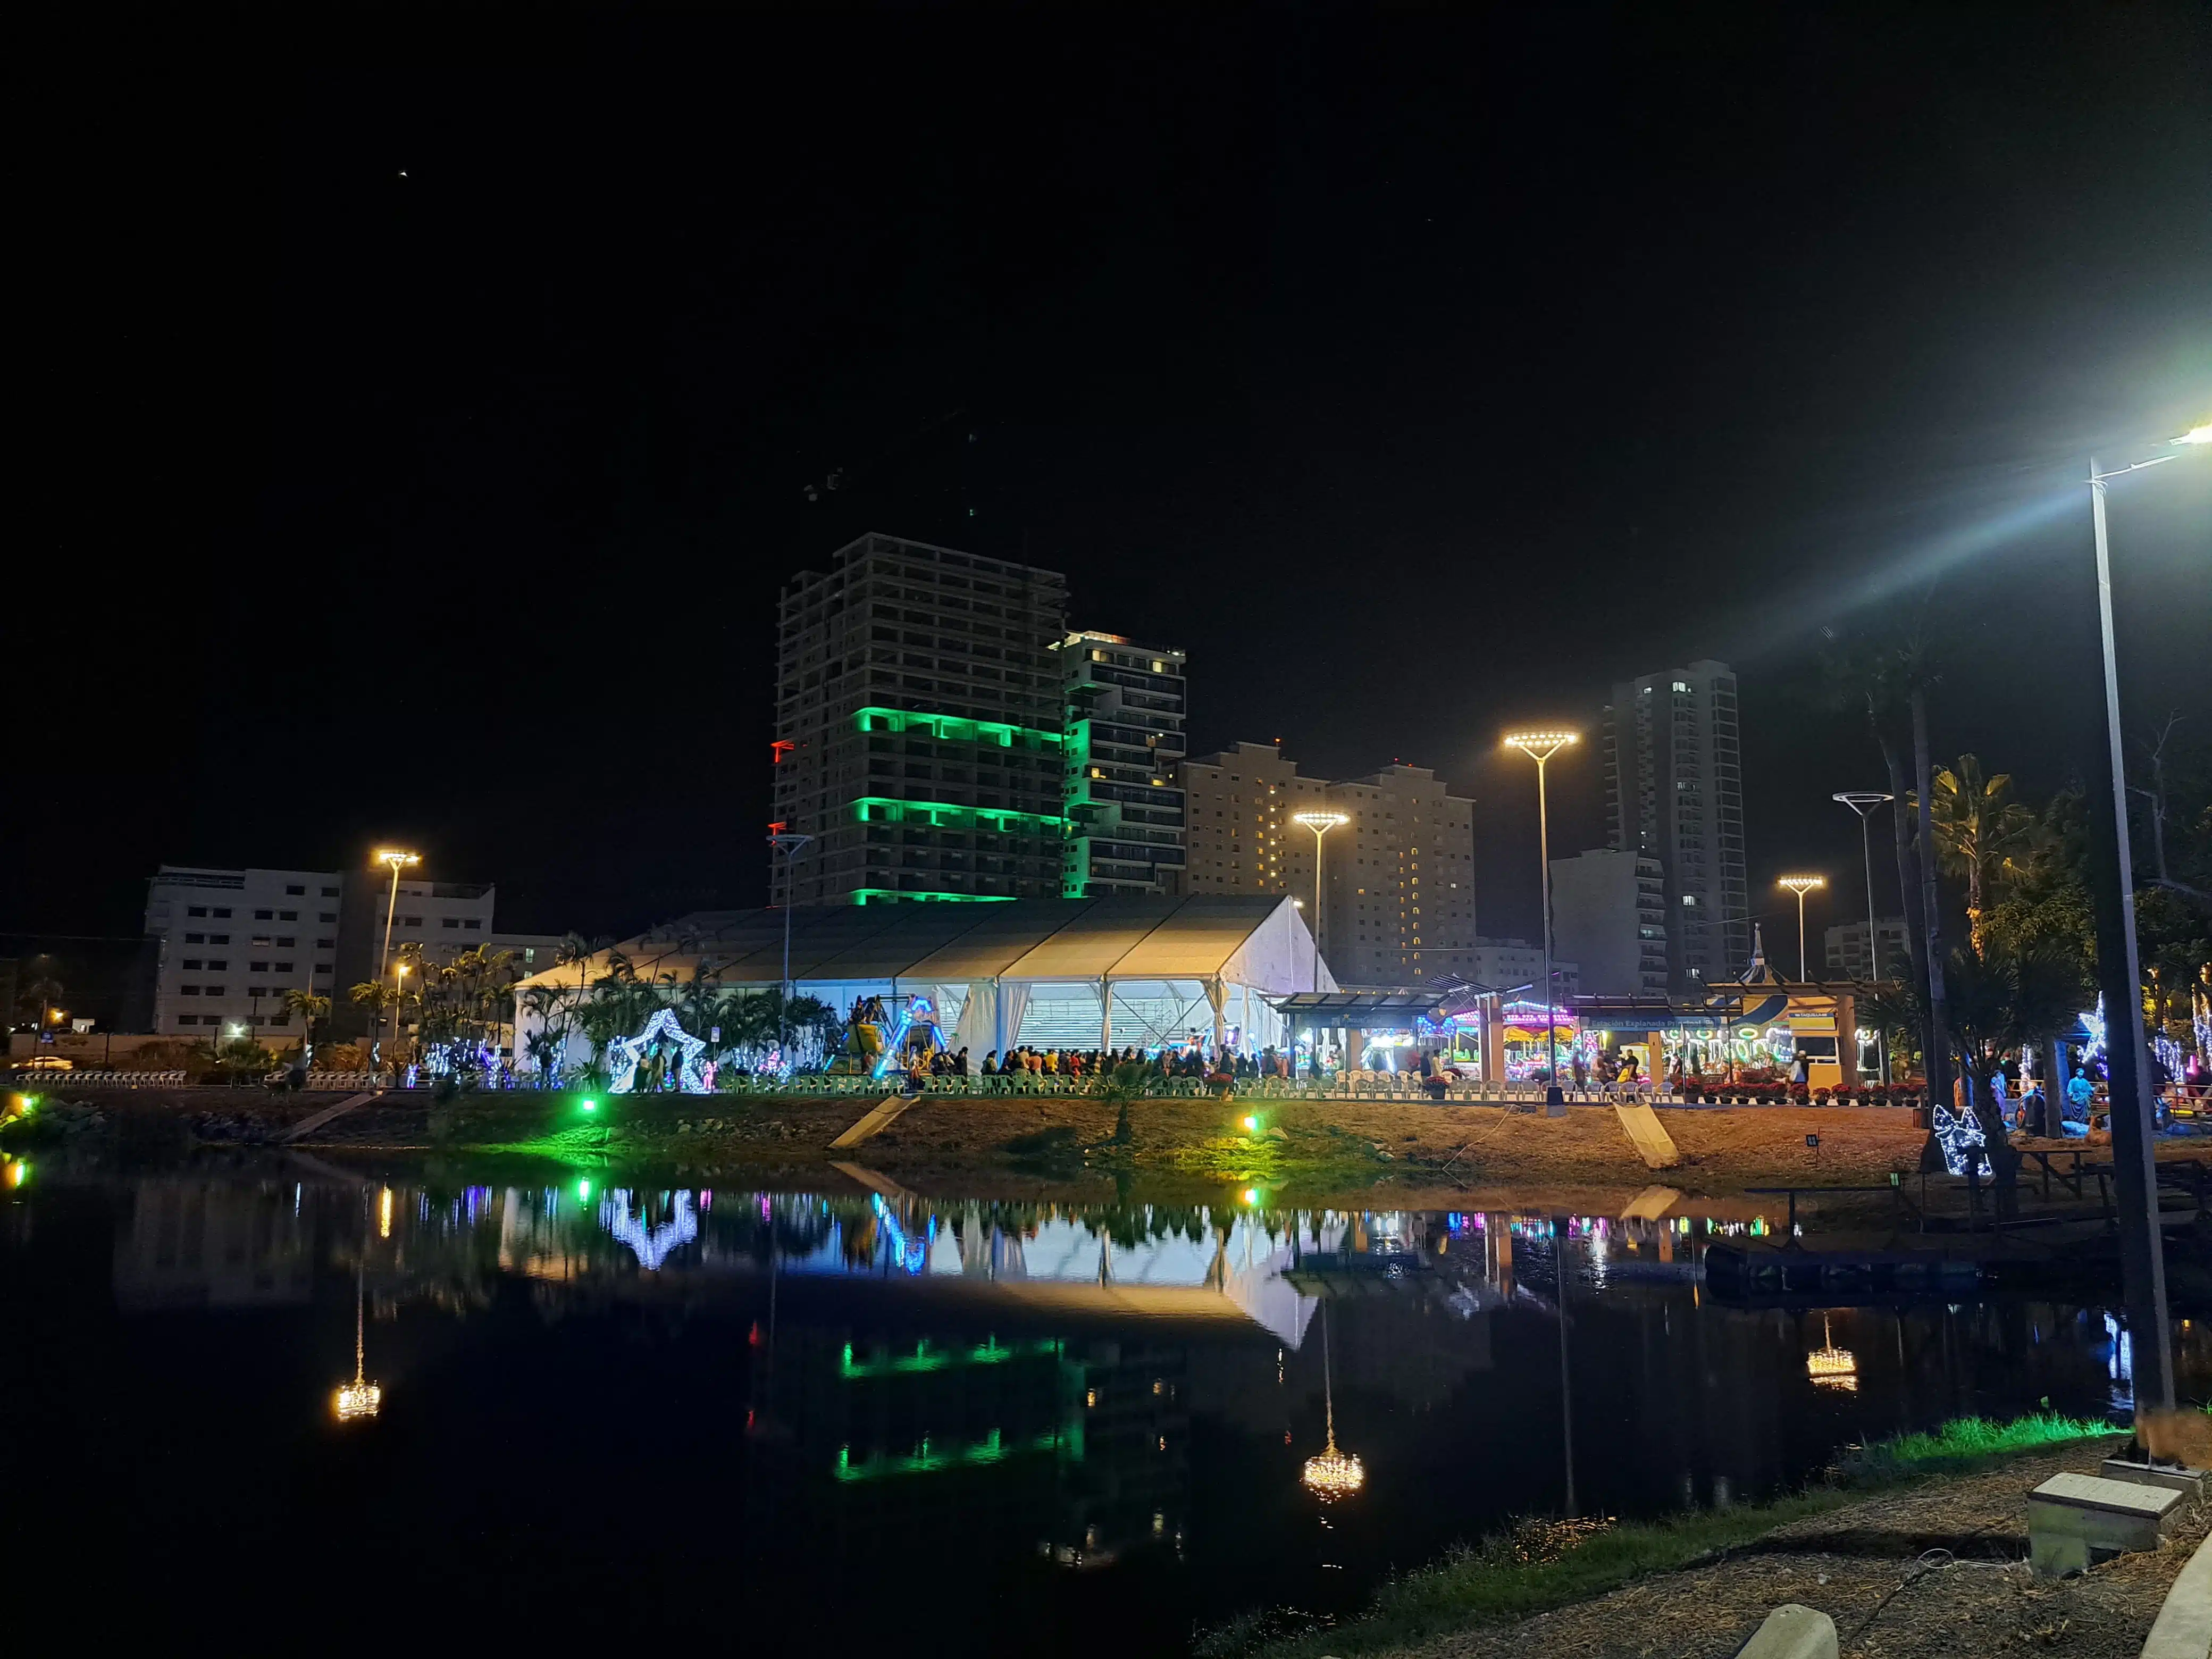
<point>1257,941</point>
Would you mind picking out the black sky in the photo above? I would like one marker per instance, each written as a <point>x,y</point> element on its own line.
<point>418,406</point>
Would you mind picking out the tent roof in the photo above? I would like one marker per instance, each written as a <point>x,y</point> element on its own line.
<point>1250,939</point>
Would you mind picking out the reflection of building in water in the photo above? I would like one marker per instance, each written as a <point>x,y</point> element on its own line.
<point>212,1244</point>
<point>1076,1450</point>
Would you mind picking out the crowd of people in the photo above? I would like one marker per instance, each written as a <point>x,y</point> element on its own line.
<point>1224,1065</point>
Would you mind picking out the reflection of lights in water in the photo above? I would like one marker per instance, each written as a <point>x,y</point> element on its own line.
<point>1832,1367</point>
<point>360,1397</point>
<point>652,1245</point>
<point>1333,1473</point>
<point>2121,1366</point>
<point>384,1215</point>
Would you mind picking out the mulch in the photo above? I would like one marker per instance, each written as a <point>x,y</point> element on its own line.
<point>1939,1568</point>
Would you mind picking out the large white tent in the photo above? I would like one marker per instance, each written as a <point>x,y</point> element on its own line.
<point>1047,972</point>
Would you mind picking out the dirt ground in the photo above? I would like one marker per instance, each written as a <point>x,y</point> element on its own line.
<point>1862,1566</point>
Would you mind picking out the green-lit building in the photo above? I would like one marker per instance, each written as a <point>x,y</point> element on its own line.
<point>919,728</point>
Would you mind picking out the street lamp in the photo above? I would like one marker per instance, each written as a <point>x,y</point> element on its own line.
<point>2119,973</point>
<point>790,843</point>
<point>1801,885</point>
<point>399,860</point>
<point>1541,746</point>
<point>1320,823</point>
<point>1864,802</point>
<point>399,996</point>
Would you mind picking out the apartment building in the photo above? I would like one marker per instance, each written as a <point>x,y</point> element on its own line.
<point>1609,914</point>
<point>1124,738</point>
<point>1675,792</point>
<point>1510,963</point>
<point>1398,875</point>
<point>1848,956</point>
<point>920,727</point>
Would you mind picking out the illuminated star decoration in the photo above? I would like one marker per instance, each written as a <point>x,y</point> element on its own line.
<point>624,1053</point>
<point>651,1245</point>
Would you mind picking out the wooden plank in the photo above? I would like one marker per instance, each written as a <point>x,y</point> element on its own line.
<point>886,1113</point>
<point>309,1125</point>
<point>1652,1143</point>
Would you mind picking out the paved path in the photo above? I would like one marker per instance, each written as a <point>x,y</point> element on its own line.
<point>885,1114</point>
<point>315,1120</point>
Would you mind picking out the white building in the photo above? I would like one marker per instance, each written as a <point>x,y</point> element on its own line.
<point>1398,876</point>
<point>1609,914</point>
<point>1041,973</point>
<point>230,943</point>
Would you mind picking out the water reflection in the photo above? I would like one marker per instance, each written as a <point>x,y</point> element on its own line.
<point>1101,1418</point>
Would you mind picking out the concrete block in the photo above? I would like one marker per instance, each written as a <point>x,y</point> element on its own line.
<point>1792,1632</point>
<point>2190,1483</point>
<point>2075,1520</point>
<point>2184,1629</point>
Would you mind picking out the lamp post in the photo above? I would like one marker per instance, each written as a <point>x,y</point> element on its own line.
<point>1864,802</point>
<point>2119,975</point>
<point>398,859</point>
<point>399,996</point>
<point>1541,746</point>
<point>790,843</point>
<point>1320,823</point>
<point>1801,885</point>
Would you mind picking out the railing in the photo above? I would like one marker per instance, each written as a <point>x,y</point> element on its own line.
<point>53,1079</point>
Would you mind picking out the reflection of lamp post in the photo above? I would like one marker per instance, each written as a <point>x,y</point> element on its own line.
<point>1541,746</point>
<point>360,1397</point>
<point>790,844</point>
<point>1832,1367</point>
<point>1320,823</point>
<point>1801,885</point>
<point>1333,1474</point>
<point>1863,802</point>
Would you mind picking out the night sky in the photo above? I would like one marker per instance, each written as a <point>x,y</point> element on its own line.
<point>416,410</point>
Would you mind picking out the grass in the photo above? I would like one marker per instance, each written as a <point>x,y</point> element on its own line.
<point>1536,1565</point>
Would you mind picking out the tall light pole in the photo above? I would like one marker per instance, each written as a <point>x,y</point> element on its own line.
<point>398,859</point>
<point>399,997</point>
<point>1541,746</point>
<point>1801,885</point>
<point>1320,823</point>
<point>790,843</point>
<point>2120,977</point>
<point>1864,802</point>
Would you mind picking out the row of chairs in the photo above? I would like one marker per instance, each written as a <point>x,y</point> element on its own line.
<point>33,1076</point>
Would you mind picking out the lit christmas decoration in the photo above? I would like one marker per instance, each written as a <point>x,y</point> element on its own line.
<point>624,1053</point>
<point>651,1245</point>
<point>360,1397</point>
<point>1960,1138</point>
<point>1832,1367</point>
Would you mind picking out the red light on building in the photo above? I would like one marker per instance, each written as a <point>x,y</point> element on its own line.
<point>778,749</point>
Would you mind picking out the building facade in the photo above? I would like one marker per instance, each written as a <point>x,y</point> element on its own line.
<point>1398,876</point>
<point>1675,792</point>
<point>1124,739</point>
<point>919,728</point>
<point>1849,958</point>
<point>1507,964</point>
<point>228,943</point>
<point>1609,914</point>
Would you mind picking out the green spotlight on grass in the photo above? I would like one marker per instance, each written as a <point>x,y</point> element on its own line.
<point>1251,1126</point>
<point>591,1105</point>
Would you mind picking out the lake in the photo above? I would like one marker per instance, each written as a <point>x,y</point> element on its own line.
<point>735,1417</point>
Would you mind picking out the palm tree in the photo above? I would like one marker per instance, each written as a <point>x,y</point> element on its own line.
<point>311,1010</point>
<point>1981,832</point>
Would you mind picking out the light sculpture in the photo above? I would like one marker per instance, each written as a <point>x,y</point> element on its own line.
<point>624,1053</point>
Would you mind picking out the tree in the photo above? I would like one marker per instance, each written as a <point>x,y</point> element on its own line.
<point>1981,832</point>
<point>2001,1001</point>
<point>311,1010</point>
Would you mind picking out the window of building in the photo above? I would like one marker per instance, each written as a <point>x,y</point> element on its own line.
<point>216,964</point>
<point>188,1019</point>
<point>196,938</point>
<point>410,921</point>
<point>222,912</point>
<point>326,945</point>
<point>195,909</point>
<point>283,967</point>
<point>218,938</point>
<point>257,967</point>
<point>450,922</point>
<point>295,891</point>
<point>330,892</point>
<point>326,916</point>
<point>473,922</point>
<point>287,915</point>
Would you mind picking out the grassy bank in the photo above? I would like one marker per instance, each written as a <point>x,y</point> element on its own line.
<point>1535,1565</point>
